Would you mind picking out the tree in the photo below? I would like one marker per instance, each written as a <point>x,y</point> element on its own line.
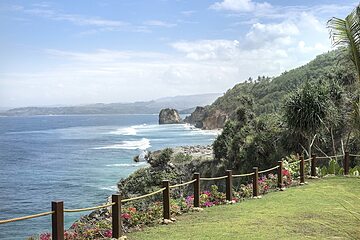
<point>346,33</point>
<point>306,110</point>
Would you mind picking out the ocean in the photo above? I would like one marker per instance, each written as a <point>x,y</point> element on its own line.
<point>78,159</point>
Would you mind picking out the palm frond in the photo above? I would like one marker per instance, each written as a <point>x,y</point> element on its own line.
<point>346,32</point>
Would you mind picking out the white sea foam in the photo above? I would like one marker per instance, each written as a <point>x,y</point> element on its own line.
<point>125,131</point>
<point>206,132</point>
<point>127,164</point>
<point>133,130</point>
<point>197,131</point>
<point>142,144</point>
<point>189,127</point>
<point>110,188</point>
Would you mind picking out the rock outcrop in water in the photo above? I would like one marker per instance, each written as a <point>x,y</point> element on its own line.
<point>169,116</point>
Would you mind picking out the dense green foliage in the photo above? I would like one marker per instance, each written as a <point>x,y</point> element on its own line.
<point>304,110</point>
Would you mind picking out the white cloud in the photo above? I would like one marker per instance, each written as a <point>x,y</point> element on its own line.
<point>267,34</point>
<point>73,18</point>
<point>318,47</point>
<point>158,23</point>
<point>240,6</point>
<point>267,48</point>
<point>208,49</point>
<point>105,55</point>
<point>188,13</point>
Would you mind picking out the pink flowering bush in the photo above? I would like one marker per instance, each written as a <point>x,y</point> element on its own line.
<point>133,217</point>
<point>287,179</point>
<point>207,198</point>
<point>266,183</point>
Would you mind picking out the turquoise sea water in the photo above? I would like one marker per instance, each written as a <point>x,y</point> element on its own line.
<point>77,159</point>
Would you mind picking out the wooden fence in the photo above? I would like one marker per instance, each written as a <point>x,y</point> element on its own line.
<point>57,207</point>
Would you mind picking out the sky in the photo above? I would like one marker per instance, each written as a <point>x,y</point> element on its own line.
<point>89,51</point>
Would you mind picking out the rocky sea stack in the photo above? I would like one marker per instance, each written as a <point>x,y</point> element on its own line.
<point>169,116</point>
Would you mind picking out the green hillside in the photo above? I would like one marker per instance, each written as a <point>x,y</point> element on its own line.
<point>267,93</point>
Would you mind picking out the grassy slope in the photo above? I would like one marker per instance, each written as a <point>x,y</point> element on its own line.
<point>307,212</point>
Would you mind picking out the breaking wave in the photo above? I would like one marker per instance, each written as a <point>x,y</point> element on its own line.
<point>128,131</point>
<point>127,164</point>
<point>142,144</point>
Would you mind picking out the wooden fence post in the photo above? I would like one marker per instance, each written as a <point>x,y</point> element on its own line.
<point>255,182</point>
<point>197,190</point>
<point>302,170</point>
<point>313,165</point>
<point>166,199</point>
<point>280,175</point>
<point>346,163</point>
<point>117,230</point>
<point>57,220</point>
<point>229,185</point>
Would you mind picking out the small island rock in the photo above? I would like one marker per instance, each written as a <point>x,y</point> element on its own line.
<point>169,116</point>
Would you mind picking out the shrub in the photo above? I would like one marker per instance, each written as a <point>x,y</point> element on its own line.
<point>333,166</point>
<point>323,171</point>
<point>162,159</point>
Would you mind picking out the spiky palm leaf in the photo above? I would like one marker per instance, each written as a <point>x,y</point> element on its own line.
<point>346,33</point>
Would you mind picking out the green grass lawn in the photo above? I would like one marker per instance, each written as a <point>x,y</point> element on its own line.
<point>314,211</point>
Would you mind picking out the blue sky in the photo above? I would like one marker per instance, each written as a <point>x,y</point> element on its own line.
<point>76,52</point>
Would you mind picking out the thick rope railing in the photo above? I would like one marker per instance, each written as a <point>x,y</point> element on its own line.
<point>143,196</point>
<point>268,170</point>
<point>214,178</point>
<point>26,217</point>
<point>243,175</point>
<point>88,209</point>
<point>182,184</point>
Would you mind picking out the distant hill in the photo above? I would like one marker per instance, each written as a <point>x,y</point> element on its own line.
<point>185,104</point>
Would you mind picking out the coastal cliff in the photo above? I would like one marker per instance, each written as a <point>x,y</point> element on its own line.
<point>206,119</point>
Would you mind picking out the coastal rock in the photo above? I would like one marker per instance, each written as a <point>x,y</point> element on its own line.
<point>207,119</point>
<point>215,120</point>
<point>169,116</point>
<point>196,118</point>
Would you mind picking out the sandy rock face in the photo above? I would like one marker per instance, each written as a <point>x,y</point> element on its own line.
<point>169,116</point>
